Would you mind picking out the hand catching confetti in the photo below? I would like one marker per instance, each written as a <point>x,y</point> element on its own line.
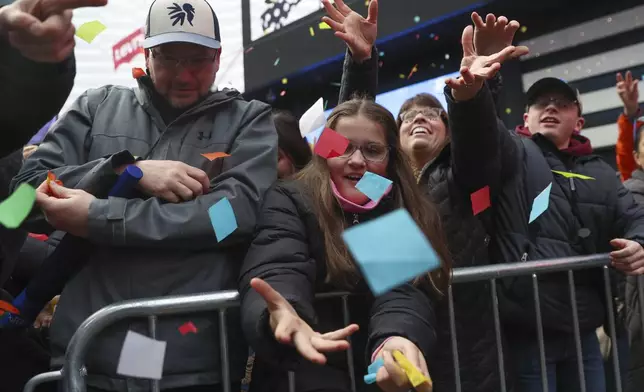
<point>493,35</point>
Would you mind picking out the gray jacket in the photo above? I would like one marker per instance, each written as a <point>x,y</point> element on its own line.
<point>145,247</point>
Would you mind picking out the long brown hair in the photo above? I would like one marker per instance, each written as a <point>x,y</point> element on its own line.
<point>341,270</point>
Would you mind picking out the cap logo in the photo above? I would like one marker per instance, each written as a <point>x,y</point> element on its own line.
<point>180,14</point>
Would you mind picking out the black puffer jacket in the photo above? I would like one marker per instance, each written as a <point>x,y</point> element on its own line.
<point>288,253</point>
<point>468,245</point>
<point>519,168</point>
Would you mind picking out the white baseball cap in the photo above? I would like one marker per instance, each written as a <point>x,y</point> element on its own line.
<point>191,21</point>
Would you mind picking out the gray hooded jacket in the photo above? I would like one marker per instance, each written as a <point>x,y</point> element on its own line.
<point>145,247</point>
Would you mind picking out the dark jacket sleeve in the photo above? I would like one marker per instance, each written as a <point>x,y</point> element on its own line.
<point>406,312</point>
<point>482,148</point>
<point>360,79</point>
<point>279,254</point>
<point>629,216</point>
<point>31,94</point>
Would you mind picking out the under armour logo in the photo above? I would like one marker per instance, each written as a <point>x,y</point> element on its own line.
<point>180,14</point>
<point>203,136</point>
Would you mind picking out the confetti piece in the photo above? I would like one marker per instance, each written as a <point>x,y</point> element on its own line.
<point>373,185</point>
<point>312,31</point>
<point>90,30</point>
<point>7,307</point>
<point>330,144</point>
<point>276,63</point>
<point>222,218</point>
<point>141,357</point>
<point>573,175</point>
<point>187,328</point>
<point>401,76</point>
<point>432,35</point>
<point>508,111</point>
<point>284,81</point>
<point>15,209</point>
<point>417,36</point>
<point>313,119</point>
<point>324,26</point>
<point>376,365</point>
<point>390,250</point>
<point>211,156</point>
<point>249,49</point>
<point>370,378</point>
<point>283,93</point>
<point>436,38</point>
<point>414,375</point>
<point>524,29</point>
<point>381,54</point>
<point>52,177</point>
<point>413,71</point>
<point>447,56</point>
<point>137,73</point>
<point>480,200</point>
<point>416,19</point>
<point>540,204</point>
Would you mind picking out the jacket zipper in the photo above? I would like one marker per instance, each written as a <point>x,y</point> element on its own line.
<point>355,219</point>
<point>524,257</point>
<point>572,184</point>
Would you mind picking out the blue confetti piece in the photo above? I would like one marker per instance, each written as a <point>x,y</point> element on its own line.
<point>222,218</point>
<point>540,204</point>
<point>373,185</point>
<point>390,250</point>
<point>370,379</point>
<point>375,366</point>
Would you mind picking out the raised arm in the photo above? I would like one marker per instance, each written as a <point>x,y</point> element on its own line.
<point>37,66</point>
<point>480,147</point>
<point>360,71</point>
<point>628,91</point>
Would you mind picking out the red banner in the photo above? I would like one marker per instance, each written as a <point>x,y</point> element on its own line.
<point>126,49</point>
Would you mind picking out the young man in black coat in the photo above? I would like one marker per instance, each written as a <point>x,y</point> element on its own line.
<point>586,215</point>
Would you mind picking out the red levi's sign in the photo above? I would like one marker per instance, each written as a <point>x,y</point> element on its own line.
<point>126,49</point>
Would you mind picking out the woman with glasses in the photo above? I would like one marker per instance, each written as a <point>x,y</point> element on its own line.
<point>298,252</point>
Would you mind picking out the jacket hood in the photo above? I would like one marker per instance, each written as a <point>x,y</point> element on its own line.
<point>579,145</point>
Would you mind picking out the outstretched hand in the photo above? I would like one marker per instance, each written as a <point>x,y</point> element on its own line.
<point>290,329</point>
<point>628,91</point>
<point>357,32</point>
<point>476,69</point>
<point>492,35</point>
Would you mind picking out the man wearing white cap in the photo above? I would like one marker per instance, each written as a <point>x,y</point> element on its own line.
<point>160,241</point>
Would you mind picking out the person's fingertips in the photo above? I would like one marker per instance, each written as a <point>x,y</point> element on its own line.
<point>304,346</point>
<point>284,331</point>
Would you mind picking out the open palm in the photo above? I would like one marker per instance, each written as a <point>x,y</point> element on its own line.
<point>359,33</point>
<point>628,91</point>
<point>475,69</point>
<point>289,328</point>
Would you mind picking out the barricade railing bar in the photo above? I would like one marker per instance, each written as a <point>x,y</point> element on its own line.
<point>74,372</point>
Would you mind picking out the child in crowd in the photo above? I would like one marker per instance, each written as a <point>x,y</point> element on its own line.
<point>298,251</point>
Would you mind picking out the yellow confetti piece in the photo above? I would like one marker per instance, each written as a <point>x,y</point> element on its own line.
<point>524,29</point>
<point>401,76</point>
<point>573,175</point>
<point>90,30</point>
<point>324,26</point>
<point>284,81</point>
<point>508,111</point>
<point>312,31</point>
<point>414,375</point>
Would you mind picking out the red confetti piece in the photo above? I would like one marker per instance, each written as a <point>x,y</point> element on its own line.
<point>331,144</point>
<point>187,328</point>
<point>480,200</point>
<point>7,307</point>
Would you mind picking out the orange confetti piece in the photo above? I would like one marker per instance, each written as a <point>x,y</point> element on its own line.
<point>137,73</point>
<point>211,156</point>
<point>7,307</point>
<point>413,71</point>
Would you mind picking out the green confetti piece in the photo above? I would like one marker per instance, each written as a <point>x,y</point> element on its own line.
<point>90,30</point>
<point>573,175</point>
<point>15,209</point>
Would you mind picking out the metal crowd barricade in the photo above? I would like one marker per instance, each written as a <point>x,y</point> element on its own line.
<point>74,372</point>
